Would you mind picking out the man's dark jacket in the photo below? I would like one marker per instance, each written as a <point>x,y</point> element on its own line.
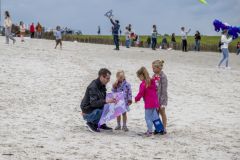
<point>94,97</point>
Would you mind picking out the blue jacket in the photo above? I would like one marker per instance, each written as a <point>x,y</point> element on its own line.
<point>116,27</point>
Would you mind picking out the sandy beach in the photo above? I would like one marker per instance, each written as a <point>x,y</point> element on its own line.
<point>41,89</point>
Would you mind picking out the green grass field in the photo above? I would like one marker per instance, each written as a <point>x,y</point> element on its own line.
<point>206,40</point>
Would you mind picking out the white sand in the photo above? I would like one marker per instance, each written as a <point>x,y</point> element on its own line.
<point>41,89</point>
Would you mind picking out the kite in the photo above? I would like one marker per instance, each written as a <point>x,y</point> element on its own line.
<point>112,110</point>
<point>232,30</point>
<point>203,1</point>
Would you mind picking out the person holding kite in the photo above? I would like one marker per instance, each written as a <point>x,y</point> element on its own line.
<point>94,100</point>
<point>115,32</point>
<point>121,85</point>
<point>184,35</point>
<point>224,47</point>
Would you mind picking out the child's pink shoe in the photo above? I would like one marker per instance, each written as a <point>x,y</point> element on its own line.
<point>148,134</point>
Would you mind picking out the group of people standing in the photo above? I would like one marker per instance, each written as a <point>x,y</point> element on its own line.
<point>152,90</point>
<point>130,37</point>
<point>8,28</point>
<point>35,31</point>
<point>184,35</point>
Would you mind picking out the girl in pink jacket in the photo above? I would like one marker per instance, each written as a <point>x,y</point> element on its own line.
<point>148,91</point>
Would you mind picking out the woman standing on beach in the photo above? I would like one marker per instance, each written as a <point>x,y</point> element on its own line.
<point>197,41</point>
<point>224,47</point>
<point>8,28</point>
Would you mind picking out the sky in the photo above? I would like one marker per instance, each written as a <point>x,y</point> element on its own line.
<point>86,15</point>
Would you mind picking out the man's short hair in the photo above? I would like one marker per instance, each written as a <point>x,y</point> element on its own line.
<point>103,72</point>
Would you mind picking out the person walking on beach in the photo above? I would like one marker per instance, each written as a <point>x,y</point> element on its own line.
<point>22,30</point>
<point>8,28</point>
<point>115,32</point>
<point>197,41</point>
<point>58,35</point>
<point>94,100</point>
<point>32,30</point>
<point>184,38</point>
<point>224,47</point>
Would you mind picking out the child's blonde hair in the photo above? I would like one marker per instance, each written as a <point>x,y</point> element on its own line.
<point>158,63</point>
<point>120,73</point>
<point>143,71</point>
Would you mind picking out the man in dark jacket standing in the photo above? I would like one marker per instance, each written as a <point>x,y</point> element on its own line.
<point>94,100</point>
<point>115,32</point>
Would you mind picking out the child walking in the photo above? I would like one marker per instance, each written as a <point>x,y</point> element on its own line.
<point>162,83</point>
<point>22,31</point>
<point>121,85</point>
<point>148,91</point>
<point>58,35</point>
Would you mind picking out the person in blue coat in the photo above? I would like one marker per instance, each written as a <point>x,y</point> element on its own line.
<point>115,32</point>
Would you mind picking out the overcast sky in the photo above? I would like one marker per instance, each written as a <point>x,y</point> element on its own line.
<point>86,15</point>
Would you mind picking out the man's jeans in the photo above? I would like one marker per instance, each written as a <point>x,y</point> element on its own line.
<point>93,117</point>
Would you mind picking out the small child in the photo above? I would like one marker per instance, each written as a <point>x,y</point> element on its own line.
<point>58,35</point>
<point>161,82</point>
<point>127,35</point>
<point>121,85</point>
<point>148,91</point>
<point>22,31</point>
<point>238,48</point>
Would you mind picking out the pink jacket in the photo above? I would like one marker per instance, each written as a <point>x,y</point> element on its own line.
<point>149,95</point>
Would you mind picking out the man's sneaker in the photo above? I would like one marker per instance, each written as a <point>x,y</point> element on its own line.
<point>92,127</point>
<point>124,128</point>
<point>105,127</point>
<point>118,128</point>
